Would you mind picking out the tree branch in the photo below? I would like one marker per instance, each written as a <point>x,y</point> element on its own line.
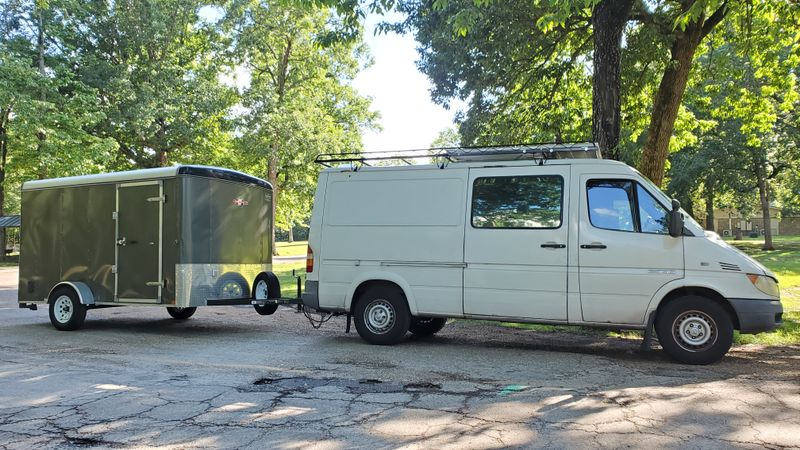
<point>715,18</point>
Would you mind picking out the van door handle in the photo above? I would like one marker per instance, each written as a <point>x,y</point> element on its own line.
<point>553,245</point>
<point>597,246</point>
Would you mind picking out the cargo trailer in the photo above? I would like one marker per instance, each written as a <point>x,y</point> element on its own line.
<point>178,237</point>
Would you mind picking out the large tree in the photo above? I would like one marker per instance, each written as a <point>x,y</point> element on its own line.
<point>156,67</point>
<point>748,92</point>
<point>299,101</point>
<point>45,111</point>
<point>508,53</point>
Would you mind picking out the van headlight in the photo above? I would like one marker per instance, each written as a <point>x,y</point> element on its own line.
<point>765,284</point>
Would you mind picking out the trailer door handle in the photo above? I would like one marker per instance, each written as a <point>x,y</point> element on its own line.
<point>122,242</point>
<point>594,245</point>
<point>553,245</point>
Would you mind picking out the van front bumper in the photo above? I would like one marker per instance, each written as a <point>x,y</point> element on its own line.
<point>756,315</point>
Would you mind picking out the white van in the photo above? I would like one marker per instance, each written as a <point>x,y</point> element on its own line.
<point>521,234</point>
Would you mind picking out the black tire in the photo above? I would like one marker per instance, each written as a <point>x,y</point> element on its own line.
<point>426,326</point>
<point>381,315</point>
<point>694,330</point>
<point>273,290</point>
<point>67,313</point>
<point>181,313</point>
<point>231,285</point>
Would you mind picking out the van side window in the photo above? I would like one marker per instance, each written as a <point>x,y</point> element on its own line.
<point>652,216</point>
<point>517,202</point>
<point>624,205</point>
<point>611,204</point>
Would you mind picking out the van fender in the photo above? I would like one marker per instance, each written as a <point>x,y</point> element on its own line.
<point>85,294</point>
<point>691,282</point>
<point>378,275</point>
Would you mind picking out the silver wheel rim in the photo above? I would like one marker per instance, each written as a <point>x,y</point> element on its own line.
<point>694,331</point>
<point>231,289</point>
<point>62,309</point>
<point>379,316</point>
<point>261,290</point>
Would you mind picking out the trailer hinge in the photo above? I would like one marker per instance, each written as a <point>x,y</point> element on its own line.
<point>160,198</point>
<point>114,269</point>
<point>115,215</point>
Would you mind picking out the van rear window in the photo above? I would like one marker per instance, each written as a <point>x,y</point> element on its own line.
<point>517,202</point>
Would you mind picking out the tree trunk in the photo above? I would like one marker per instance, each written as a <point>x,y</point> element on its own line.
<point>161,158</point>
<point>763,192</point>
<point>668,102</point>
<point>671,89</point>
<point>5,115</point>
<point>291,234</point>
<point>41,135</point>
<point>709,191</point>
<point>608,21</point>
<point>272,177</point>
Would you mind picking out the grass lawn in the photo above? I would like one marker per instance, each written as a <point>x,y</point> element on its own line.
<point>296,248</point>
<point>284,273</point>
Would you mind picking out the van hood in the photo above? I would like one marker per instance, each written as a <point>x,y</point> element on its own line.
<point>737,257</point>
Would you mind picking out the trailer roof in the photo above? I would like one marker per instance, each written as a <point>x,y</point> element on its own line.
<point>147,174</point>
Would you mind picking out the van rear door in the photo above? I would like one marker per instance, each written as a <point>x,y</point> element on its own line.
<point>515,246</point>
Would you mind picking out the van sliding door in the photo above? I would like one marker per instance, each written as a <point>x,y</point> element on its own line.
<point>515,246</point>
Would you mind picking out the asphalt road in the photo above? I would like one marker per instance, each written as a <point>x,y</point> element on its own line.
<point>230,378</point>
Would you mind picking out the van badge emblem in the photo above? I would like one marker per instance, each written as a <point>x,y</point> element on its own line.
<point>240,202</point>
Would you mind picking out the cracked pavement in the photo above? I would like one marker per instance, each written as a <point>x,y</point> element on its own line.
<point>229,378</point>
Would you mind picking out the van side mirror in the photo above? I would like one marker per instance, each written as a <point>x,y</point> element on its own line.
<point>675,219</point>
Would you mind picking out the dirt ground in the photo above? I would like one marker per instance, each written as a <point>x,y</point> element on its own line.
<point>229,378</point>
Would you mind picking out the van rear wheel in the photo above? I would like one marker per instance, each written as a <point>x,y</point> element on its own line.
<point>181,313</point>
<point>426,326</point>
<point>67,313</point>
<point>694,330</point>
<point>382,315</point>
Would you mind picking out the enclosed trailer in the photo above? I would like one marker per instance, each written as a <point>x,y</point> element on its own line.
<point>179,237</point>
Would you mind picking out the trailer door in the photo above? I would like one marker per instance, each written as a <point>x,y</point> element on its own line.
<point>138,257</point>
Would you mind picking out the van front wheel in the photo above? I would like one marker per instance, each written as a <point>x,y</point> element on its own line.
<point>694,330</point>
<point>382,316</point>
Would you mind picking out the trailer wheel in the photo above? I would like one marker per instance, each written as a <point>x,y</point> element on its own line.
<point>181,313</point>
<point>694,330</point>
<point>382,315</point>
<point>426,326</point>
<point>266,286</point>
<point>67,313</point>
<point>232,285</point>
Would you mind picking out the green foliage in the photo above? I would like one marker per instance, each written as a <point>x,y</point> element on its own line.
<point>118,85</point>
<point>299,102</point>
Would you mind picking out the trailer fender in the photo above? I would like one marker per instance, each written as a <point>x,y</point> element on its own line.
<point>84,293</point>
<point>381,276</point>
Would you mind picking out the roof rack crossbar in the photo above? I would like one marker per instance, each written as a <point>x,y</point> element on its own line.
<point>537,152</point>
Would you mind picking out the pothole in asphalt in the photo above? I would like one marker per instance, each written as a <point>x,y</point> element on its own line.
<point>422,387</point>
<point>356,387</point>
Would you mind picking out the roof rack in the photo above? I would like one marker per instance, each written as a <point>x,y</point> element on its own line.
<point>539,153</point>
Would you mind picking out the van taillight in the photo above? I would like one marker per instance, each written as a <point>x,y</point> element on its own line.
<point>309,260</point>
